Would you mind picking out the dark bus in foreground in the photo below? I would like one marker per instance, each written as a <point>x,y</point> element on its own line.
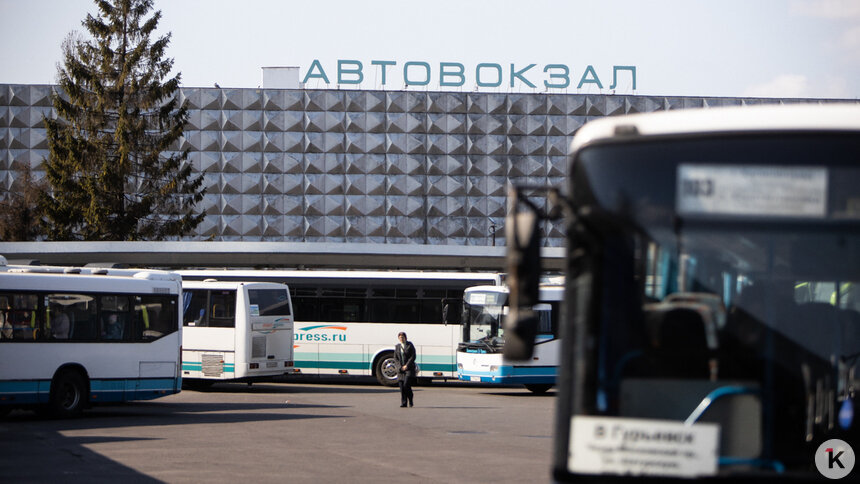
<point>711,320</point>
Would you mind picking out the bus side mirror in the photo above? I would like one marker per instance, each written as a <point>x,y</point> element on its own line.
<point>520,332</point>
<point>522,232</point>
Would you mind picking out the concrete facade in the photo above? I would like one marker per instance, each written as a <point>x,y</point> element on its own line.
<point>343,166</point>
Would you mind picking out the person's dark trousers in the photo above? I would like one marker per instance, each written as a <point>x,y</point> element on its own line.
<point>405,391</point>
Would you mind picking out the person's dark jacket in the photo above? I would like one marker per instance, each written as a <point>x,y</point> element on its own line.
<point>405,356</point>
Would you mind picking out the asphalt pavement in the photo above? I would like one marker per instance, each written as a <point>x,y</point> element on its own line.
<point>304,430</point>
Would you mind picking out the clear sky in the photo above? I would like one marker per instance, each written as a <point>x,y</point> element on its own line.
<point>768,48</point>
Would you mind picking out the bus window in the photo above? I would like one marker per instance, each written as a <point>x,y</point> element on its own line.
<point>22,316</point>
<point>306,308</point>
<point>841,294</point>
<point>431,311</point>
<point>545,318</point>
<point>71,316</point>
<point>269,302</point>
<point>155,316</point>
<point>194,304</point>
<point>5,323</point>
<point>339,309</point>
<point>114,317</point>
<point>222,309</point>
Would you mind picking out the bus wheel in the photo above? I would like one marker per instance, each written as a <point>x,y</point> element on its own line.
<point>68,394</point>
<point>538,388</point>
<point>386,370</point>
<point>5,410</point>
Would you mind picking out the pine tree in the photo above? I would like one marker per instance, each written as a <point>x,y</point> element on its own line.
<point>113,169</point>
<point>19,208</point>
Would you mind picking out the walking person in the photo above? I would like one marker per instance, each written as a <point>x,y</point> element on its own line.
<point>404,353</point>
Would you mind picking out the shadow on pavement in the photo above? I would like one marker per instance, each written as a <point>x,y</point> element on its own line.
<point>308,386</point>
<point>34,449</point>
<point>160,413</point>
<point>523,393</point>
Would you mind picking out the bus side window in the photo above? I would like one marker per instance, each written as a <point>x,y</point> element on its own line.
<point>155,315</point>
<point>84,322</point>
<point>23,317</point>
<point>431,311</point>
<point>305,308</point>
<point>222,309</point>
<point>338,309</point>
<point>194,309</point>
<point>545,318</point>
<point>5,323</point>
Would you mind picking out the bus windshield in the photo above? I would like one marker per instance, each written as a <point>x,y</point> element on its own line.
<point>727,294</point>
<point>484,314</point>
<point>485,311</point>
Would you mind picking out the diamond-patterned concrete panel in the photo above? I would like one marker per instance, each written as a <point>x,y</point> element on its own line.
<point>273,184</point>
<point>446,123</point>
<point>273,227</point>
<point>324,101</point>
<point>359,166</point>
<point>446,165</point>
<point>365,101</point>
<point>446,102</point>
<point>486,124</point>
<point>486,165</point>
<point>363,205</point>
<point>404,206</point>
<point>487,103</point>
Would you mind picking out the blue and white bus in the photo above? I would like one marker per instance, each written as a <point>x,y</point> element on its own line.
<point>73,337</point>
<point>346,321</point>
<point>479,356</point>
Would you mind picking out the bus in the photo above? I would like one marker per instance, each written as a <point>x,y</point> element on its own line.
<point>346,321</point>
<point>73,337</point>
<point>712,317</point>
<point>235,332</point>
<point>479,355</point>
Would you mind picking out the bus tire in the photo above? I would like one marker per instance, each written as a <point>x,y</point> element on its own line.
<point>385,369</point>
<point>5,410</point>
<point>69,394</point>
<point>538,388</point>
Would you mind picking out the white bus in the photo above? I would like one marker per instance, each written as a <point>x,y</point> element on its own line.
<point>72,337</point>
<point>235,331</point>
<point>347,321</point>
<point>479,356</point>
